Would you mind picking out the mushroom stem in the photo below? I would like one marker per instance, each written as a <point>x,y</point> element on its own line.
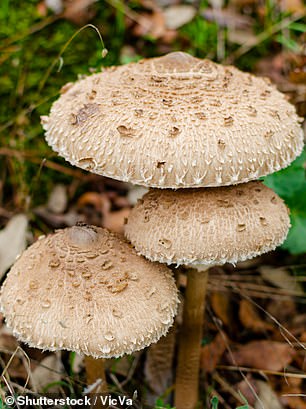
<point>94,371</point>
<point>187,375</point>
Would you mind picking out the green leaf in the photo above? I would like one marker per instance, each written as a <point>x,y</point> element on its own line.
<point>288,42</point>
<point>290,184</point>
<point>298,27</point>
<point>159,404</point>
<point>214,402</point>
<point>296,240</point>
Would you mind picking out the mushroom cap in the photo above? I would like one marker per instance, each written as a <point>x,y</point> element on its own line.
<point>208,226</point>
<point>83,289</point>
<point>175,121</point>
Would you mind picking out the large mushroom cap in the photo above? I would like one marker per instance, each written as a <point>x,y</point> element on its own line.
<point>84,289</point>
<point>175,121</point>
<point>208,226</point>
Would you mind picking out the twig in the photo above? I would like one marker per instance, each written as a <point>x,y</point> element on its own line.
<point>229,388</point>
<point>261,371</point>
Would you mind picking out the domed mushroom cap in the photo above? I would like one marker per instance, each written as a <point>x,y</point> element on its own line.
<point>83,289</point>
<point>208,226</point>
<point>175,121</point>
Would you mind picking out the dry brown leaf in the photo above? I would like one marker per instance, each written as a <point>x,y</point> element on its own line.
<point>58,199</point>
<point>227,18</point>
<point>246,388</point>
<point>79,11</point>
<point>178,15</point>
<point>8,346</point>
<point>240,36</point>
<point>114,221</point>
<point>56,6</point>
<point>41,9</point>
<point>291,387</point>
<point>267,397</point>
<point>293,6</point>
<point>221,305</point>
<point>150,24</point>
<point>48,371</point>
<point>280,277</point>
<point>7,342</point>
<point>99,201</point>
<point>12,241</point>
<point>250,318</point>
<point>212,353</point>
<point>282,310</point>
<point>159,362</point>
<point>266,355</point>
<point>303,337</point>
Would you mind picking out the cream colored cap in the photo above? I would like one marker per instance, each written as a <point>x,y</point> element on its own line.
<point>175,121</point>
<point>208,226</point>
<point>83,289</point>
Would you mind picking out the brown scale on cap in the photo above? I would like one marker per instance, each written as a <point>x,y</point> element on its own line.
<point>84,289</point>
<point>131,121</point>
<point>208,226</point>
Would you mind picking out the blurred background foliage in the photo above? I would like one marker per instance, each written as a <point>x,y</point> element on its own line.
<point>266,37</point>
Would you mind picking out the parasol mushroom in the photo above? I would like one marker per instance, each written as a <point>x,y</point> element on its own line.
<point>201,228</point>
<point>84,289</point>
<point>175,122</point>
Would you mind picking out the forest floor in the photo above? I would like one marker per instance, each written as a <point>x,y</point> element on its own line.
<point>254,337</point>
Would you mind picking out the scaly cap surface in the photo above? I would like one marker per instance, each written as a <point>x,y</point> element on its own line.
<point>84,289</point>
<point>175,121</point>
<point>208,226</point>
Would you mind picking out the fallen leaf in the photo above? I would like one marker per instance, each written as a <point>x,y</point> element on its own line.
<point>49,371</point>
<point>12,241</point>
<point>267,397</point>
<point>58,199</point>
<point>158,368</point>
<point>221,305</point>
<point>114,221</point>
<point>280,277</point>
<point>9,345</point>
<point>246,388</point>
<point>303,337</point>
<point>41,9</point>
<point>240,36</point>
<point>266,355</point>
<point>212,353</point>
<point>292,6</point>
<point>55,5</point>
<point>250,318</point>
<point>178,15</point>
<point>152,24</point>
<point>79,11</point>
<point>227,18</point>
<point>99,201</point>
<point>293,386</point>
<point>282,310</point>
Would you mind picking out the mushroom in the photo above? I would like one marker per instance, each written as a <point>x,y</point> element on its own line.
<point>179,122</point>
<point>175,122</point>
<point>84,289</point>
<point>201,228</point>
